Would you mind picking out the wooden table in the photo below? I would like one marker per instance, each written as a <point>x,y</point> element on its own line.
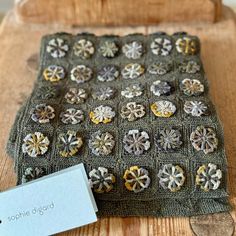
<point>18,42</point>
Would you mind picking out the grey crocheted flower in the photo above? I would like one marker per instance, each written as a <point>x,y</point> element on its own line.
<point>101,144</point>
<point>101,180</point>
<point>57,48</point>
<point>109,49</point>
<point>69,143</point>
<point>136,179</point>
<point>133,50</point>
<point>133,90</point>
<point>195,108</point>
<point>190,67</point>
<point>47,92</point>
<point>208,177</point>
<point>103,93</point>
<point>83,48</point>
<point>187,46</point>
<point>159,68</point>
<point>161,46</point>
<point>32,173</point>
<point>204,139</point>
<point>136,142</point>
<point>191,87</point>
<point>35,144</point>
<point>81,74</point>
<point>54,73</point>
<point>102,114</point>
<point>171,177</point>
<point>132,111</point>
<point>160,88</point>
<point>42,113</point>
<point>132,71</point>
<point>108,73</point>
<point>72,116</point>
<point>163,108</point>
<point>168,139</point>
<point>76,96</point>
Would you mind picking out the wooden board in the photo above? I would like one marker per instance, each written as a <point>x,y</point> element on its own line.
<point>19,42</point>
<point>116,12</point>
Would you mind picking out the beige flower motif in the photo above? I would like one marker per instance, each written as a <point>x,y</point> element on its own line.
<point>132,111</point>
<point>57,48</point>
<point>76,96</point>
<point>83,49</point>
<point>192,87</point>
<point>132,71</point>
<point>163,108</point>
<point>102,114</point>
<point>81,74</point>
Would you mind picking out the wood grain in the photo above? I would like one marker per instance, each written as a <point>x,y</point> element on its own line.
<point>19,42</point>
<point>117,12</point>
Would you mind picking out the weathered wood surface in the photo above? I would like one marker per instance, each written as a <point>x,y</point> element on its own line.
<point>117,12</point>
<point>19,42</point>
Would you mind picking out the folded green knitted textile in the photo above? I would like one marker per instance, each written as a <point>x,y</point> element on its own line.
<point>136,111</point>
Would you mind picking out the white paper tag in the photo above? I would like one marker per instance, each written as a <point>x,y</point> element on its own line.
<point>49,205</point>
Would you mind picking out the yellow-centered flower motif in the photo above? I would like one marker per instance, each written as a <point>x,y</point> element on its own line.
<point>163,109</point>
<point>54,73</point>
<point>102,114</point>
<point>187,46</point>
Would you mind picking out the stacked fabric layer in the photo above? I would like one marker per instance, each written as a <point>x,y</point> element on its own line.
<point>136,111</point>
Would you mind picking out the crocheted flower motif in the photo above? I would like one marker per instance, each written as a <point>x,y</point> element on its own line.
<point>190,67</point>
<point>159,68</point>
<point>133,90</point>
<point>195,108</point>
<point>161,46</point>
<point>102,94</point>
<point>187,46</point>
<point>76,96</point>
<point>101,144</point>
<point>54,73</point>
<point>208,177</point>
<point>132,71</point>
<point>32,173</point>
<point>57,48</point>
<point>204,139</point>
<point>192,87</point>
<point>69,143</point>
<point>81,74</point>
<point>132,111</point>
<point>168,139</point>
<point>163,108</point>
<point>83,49</point>
<point>35,144</point>
<point>160,88</point>
<point>136,142</point>
<point>102,114</point>
<point>171,177</point>
<point>42,113</point>
<point>101,180</point>
<point>108,73</point>
<point>133,50</point>
<point>72,116</point>
<point>136,179</point>
<point>109,49</point>
<point>47,92</point>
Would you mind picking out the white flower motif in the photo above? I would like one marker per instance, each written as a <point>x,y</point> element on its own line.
<point>133,90</point>
<point>76,96</point>
<point>192,87</point>
<point>81,74</point>
<point>108,73</point>
<point>132,71</point>
<point>133,50</point>
<point>57,48</point>
<point>132,111</point>
<point>42,113</point>
<point>84,49</point>
<point>102,114</point>
<point>161,46</point>
<point>195,108</point>
<point>163,108</point>
<point>160,88</point>
<point>103,93</point>
<point>54,73</point>
<point>72,116</point>
<point>109,49</point>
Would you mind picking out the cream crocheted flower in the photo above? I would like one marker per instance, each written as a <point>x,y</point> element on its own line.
<point>159,68</point>
<point>136,179</point>
<point>204,139</point>
<point>108,73</point>
<point>136,142</point>
<point>161,46</point>
<point>81,74</point>
<point>133,50</point>
<point>57,48</point>
<point>101,180</point>
<point>32,173</point>
<point>72,116</point>
<point>208,177</point>
<point>190,67</point>
<point>192,87</point>
<point>132,71</point>
<point>102,114</point>
<point>101,144</point>
<point>54,73</point>
<point>42,113</point>
<point>103,93</point>
<point>195,108</point>
<point>84,48</point>
<point>160,88</point>
<point>76,96</point>
<point>187,46</point>
<point>133,90</point>
<point>132,111</point>
<point>171,177</point>
<point>163,108</point>
<point>109,49</point>
<point>35,144</point>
